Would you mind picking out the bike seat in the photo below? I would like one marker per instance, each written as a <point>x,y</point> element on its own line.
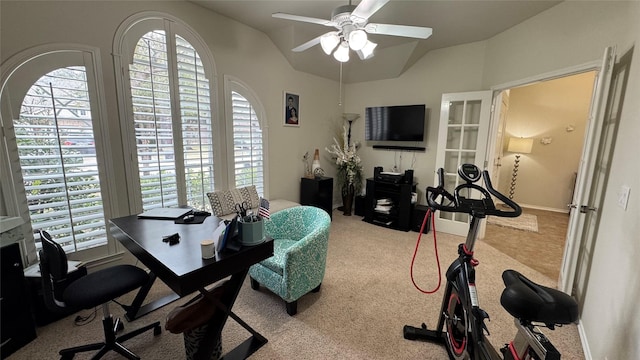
<point>526,300</point>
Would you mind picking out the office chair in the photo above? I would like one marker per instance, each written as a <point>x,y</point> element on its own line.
<point>96,288</point>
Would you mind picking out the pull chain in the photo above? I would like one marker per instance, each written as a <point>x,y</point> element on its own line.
<point>340,88</point>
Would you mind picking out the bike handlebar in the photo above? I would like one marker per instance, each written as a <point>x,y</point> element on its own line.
<point>460,204</point>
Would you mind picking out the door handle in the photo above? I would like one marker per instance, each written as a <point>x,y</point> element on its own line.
<point>572,206</point>
<point>585,208</point>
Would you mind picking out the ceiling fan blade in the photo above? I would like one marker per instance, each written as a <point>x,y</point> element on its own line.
<point>366,8</point>
<point>311,43</point>
<point>417,32</point>
<point>303,19</point>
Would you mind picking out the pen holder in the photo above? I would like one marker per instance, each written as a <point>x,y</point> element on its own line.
<point>251,233</point>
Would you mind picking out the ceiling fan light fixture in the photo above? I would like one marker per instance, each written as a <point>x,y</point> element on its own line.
<point>329,41</point>
<point>357,39</point>
<point>342,53</point>
<point>367,49</point>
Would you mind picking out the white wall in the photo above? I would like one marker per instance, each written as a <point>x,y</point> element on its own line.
<point>453,69</point>
<point>237,50</point>
<point>610,313</point>
<point>570,34</point>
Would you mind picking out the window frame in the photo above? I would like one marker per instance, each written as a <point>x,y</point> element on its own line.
<point>125,40</point>
<point>233,84</point>
<point>31,65</point>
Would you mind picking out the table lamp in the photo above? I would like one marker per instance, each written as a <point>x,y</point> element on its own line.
<point>519,146</point>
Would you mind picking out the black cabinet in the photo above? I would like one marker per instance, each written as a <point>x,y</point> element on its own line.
<point>419,212</point>
<point>18,328</point>
<point>389,204</point>
<point>317,192</point>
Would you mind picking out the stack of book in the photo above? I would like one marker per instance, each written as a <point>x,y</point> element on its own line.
<point>384,206</point>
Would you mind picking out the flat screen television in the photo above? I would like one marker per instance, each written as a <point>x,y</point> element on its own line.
<point>395,123</point>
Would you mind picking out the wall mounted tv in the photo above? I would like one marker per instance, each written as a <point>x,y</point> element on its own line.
<point>395,123</point>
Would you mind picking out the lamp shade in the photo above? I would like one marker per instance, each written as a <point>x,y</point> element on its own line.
<point>520,145</point>
<point>350,116</point>
<point>342,53</point>
<point>357,39</point>
<point>367,50</point>
<point>329,41</point>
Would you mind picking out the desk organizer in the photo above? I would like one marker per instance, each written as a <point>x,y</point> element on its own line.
<point>251,233</point>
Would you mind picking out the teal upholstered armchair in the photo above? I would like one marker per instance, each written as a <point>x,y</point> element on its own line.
<point>300,239</point>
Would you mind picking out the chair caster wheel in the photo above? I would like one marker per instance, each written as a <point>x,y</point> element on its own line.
<point>157,330</point>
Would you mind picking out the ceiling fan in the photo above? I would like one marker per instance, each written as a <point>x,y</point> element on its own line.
<point>352,27</point>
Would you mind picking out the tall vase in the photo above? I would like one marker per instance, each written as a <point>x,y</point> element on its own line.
<point>348,194</point>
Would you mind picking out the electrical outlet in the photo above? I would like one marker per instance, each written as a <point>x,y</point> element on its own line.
<point>623,196</point>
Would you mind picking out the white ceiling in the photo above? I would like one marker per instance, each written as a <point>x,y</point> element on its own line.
<point>454,22</point>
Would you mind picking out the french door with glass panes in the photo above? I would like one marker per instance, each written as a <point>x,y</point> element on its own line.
<point>462,139</point>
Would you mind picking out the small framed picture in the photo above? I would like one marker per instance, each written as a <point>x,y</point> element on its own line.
<point>291,109</point>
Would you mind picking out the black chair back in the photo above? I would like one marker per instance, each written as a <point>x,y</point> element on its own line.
<point>53,270</point>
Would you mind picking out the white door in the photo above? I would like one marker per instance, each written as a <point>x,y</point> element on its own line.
<point>500,109</point>
<point>587,180</point>
<point>462,139</point>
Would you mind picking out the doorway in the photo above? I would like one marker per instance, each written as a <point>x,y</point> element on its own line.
<point>553,114</point>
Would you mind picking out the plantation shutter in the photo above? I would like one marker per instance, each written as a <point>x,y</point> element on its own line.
<point>57,155</point>
<point>149,74</point>
<point>247,144</point>
<point>197,132</point>
<point>174,146</point>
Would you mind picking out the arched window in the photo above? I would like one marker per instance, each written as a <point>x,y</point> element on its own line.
<point>247,137</point>
<point>169,94</point>
<point>52,100</point>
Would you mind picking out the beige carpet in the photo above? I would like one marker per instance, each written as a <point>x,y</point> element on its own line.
<point>366,298</point>
<point>526,222</point>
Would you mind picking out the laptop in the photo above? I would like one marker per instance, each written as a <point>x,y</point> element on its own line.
<point>164,213</point>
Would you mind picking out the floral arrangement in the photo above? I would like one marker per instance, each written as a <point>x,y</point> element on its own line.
<point>348,162</point>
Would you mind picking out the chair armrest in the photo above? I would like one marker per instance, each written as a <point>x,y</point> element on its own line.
<point>305,262</point>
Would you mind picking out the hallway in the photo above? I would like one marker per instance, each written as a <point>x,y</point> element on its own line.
<point>541,251</point>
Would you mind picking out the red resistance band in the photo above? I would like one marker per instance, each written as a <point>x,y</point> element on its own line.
<point>435,246</point>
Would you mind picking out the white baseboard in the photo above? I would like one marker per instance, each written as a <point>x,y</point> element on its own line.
<point>585,343</point>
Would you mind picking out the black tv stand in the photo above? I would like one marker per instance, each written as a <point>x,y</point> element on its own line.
<point>399,147</point>
<point>388,203</point>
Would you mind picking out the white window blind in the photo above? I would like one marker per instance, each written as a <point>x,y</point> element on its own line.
<point>247,144</point>
<point>55,141</point>
<point>197,134</point>
<point>153,92</point>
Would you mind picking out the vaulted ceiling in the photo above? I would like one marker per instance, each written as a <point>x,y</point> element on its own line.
<point>454,22</point>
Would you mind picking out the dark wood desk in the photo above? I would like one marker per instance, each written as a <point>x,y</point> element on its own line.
<point>182,268</point>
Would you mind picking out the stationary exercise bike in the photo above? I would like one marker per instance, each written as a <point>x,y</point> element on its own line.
<point>461,327</point>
